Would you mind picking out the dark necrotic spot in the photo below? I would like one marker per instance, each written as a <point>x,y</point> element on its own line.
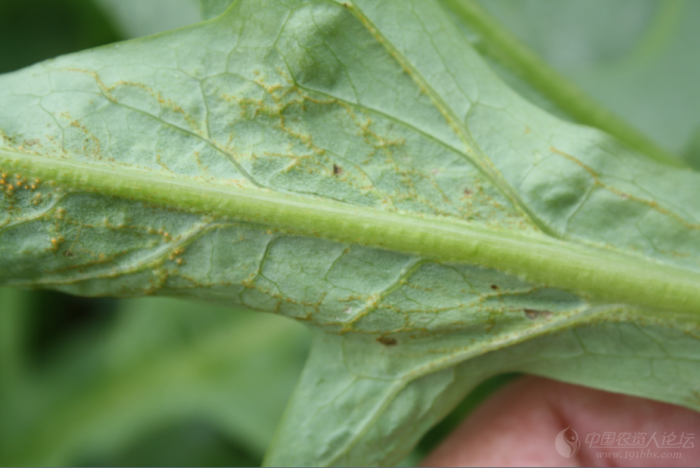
<point>493,286</point>
<point>337,169</point>
<point>386,341</point>
<point>534,314</point>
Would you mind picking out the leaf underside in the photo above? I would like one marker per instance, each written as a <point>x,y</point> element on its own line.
<point>359,167</point>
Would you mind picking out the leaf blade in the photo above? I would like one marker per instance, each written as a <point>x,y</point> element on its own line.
<point>307,162</point>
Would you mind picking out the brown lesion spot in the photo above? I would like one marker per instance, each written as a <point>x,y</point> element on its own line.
<point>534,314</point>
<point>494,287</point>
<point>337,170</point>
<point>387,341</point>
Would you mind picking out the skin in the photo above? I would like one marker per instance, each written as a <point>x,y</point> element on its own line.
<point>517,427</point>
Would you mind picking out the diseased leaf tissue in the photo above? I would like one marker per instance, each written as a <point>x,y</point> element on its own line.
<point>359,167</point>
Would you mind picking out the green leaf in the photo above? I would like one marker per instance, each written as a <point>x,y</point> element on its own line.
<point>540,83</point>
<point>136,18</point>
<point>619,51</point>
<point>33,30</point>
<point>156,366</point>
<point>13,325</point>
<point>213,8</point>
<point>357,166</point>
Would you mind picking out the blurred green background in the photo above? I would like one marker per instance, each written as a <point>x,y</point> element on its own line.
<point>165,382</point>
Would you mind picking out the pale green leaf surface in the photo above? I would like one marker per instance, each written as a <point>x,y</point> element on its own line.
<point>361,168</point>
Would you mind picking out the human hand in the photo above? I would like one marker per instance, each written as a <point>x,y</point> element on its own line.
<point>518,427</point>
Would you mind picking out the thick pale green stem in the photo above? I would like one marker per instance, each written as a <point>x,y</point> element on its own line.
<point>595,273</point>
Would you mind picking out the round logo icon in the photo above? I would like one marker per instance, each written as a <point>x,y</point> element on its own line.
<point>567,443</point>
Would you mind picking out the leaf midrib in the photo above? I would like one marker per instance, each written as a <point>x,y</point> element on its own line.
<point>596,273</point>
